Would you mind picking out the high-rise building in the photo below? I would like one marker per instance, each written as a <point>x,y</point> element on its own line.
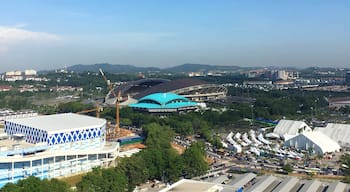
<point>282,75</point>
<point>347,78</point>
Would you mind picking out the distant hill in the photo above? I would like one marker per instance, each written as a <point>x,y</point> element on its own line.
<point>111,68</point>
<point>200,67</point>
<point>118,68</point>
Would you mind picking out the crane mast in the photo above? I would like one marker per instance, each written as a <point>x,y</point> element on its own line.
<point>117,106</point>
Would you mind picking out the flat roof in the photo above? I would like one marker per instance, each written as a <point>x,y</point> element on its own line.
<point>336,187</point>
<point>311,186</point>
<point>196,186</point>
<point>60,122</point>
<point>287,184</point>
<point>241,181</point>
<point>262,184</point>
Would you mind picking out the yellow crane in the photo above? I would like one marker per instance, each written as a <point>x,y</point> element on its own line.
<point>117,106</point>
<point>98,109</point>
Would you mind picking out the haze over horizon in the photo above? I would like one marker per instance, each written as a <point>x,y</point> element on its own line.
<point>50,34</point>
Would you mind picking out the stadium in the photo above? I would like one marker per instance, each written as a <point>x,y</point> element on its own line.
<point>164,103</point>
<point>191,88</point>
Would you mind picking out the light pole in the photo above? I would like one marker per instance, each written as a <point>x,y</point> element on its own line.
<point>251,121</point>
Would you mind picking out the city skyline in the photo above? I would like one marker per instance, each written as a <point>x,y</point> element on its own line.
<point>45,35</point>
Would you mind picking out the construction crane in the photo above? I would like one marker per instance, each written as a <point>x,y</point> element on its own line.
<point>98,109</point>
<point>117,107</point>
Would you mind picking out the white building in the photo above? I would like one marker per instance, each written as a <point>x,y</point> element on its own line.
<point>30,72</point>
<point>10,114</point>
<point>54,146</point>
<point>282,75</point>
<point>315,141</point>
<point>287,129</point>
<point>338,132</point>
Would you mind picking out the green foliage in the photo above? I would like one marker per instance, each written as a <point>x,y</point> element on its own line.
<point>34,184</point>
<point>135,170</point>
<point>194,161</point>
<point>288,168</point>
<point>73,107</point>
<point>158,161</point>
<point>157,136</point>
<point>345,159</point>
<point>100,180</point>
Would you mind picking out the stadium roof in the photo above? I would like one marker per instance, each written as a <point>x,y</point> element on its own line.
<point>163,98</point>
<point>163,101</point>
<point>171,86</point>
<point>60,122</point>
<point>135,87</point>
<point>338,132</point>
<point>290,127</point>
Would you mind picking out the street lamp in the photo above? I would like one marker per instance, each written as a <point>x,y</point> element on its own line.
<point>251,109</point>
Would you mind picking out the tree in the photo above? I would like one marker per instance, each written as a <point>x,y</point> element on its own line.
<point>195,163</point>
<point>34,184</point>
<point>158,136</point>
<point>287,168</point>
<point>11,187</point>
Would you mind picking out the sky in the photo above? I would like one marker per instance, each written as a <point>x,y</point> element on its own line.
<point>51,34</point>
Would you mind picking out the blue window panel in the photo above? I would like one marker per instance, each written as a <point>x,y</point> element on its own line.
<point>89,134</point>
<point>79,136</point>
<point>74,137</point>
<point>84,135</point>
<point>61,134</point>
<point>56,135</point>
<point>69,138</point>
<point>64,139</point>
<point>58,139</point>
<point>94,134</point>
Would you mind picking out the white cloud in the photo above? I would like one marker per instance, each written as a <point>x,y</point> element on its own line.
<point>3,49</point>
<point>14,35</point>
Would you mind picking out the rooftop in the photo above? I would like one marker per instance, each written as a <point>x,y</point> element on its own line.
<point>60,122</point>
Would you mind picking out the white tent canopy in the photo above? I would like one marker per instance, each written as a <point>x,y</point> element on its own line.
<point>315,140</point>
<point>289,128</point>
<point>338,132</point>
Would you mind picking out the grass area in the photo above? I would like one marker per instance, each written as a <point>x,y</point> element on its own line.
<point>180,149</point>
<point>73,180</point>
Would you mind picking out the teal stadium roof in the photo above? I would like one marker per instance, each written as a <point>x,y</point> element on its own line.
<point>163,101</point>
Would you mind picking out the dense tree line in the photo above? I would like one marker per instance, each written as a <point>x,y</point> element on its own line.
<point>34,184</point>
<point>158,161</point>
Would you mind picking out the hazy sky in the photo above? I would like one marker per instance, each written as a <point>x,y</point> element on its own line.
<point>49,34</point>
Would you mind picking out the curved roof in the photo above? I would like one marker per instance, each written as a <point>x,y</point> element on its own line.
<point>170,86</point>
<point>135,87</point>
<point>163,100</point>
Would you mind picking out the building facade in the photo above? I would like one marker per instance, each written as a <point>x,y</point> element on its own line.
<point>54,146</point>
